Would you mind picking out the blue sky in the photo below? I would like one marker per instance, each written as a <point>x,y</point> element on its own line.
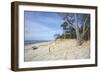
<point>41,25</point>
<point>44,25</point>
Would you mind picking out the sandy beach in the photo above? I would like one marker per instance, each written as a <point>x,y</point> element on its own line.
<point>65,49</point>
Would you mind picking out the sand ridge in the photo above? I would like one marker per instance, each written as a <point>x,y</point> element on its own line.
<point>65,49</point>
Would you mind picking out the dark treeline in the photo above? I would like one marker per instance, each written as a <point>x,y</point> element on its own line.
<point>75,26</point>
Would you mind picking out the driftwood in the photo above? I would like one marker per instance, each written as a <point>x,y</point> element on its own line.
<point>34,47</point>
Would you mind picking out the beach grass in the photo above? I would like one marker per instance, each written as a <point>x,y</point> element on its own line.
<point>66,49</point>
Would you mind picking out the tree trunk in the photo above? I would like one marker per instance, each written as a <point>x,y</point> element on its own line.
<point>79,42</point>
<point>76,27</point>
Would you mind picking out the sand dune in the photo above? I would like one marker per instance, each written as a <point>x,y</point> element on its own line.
<point>57,50</point>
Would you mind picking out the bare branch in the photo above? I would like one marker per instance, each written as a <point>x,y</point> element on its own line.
<point>76,19</point>
<point>84,24</point>
<point>69,22</point>
<point>82,35</point>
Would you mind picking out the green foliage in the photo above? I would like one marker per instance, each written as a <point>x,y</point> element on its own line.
<point>71,27</point>
<point>64,25</point>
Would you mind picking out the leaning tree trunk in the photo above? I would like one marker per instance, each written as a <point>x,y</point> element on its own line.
<point>77,30</point>
<point>79,42</point>
<point>75,26</point>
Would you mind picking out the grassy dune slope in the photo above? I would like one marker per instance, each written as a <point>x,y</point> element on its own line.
<point>57,50</point>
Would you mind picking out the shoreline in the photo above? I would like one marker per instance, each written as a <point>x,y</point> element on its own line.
<point>57,50</point>
<point>36,44</point>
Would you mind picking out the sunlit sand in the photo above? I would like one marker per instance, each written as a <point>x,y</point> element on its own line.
<point>65,49</point>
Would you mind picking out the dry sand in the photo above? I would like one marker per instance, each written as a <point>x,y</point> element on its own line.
<point>57,50</point>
